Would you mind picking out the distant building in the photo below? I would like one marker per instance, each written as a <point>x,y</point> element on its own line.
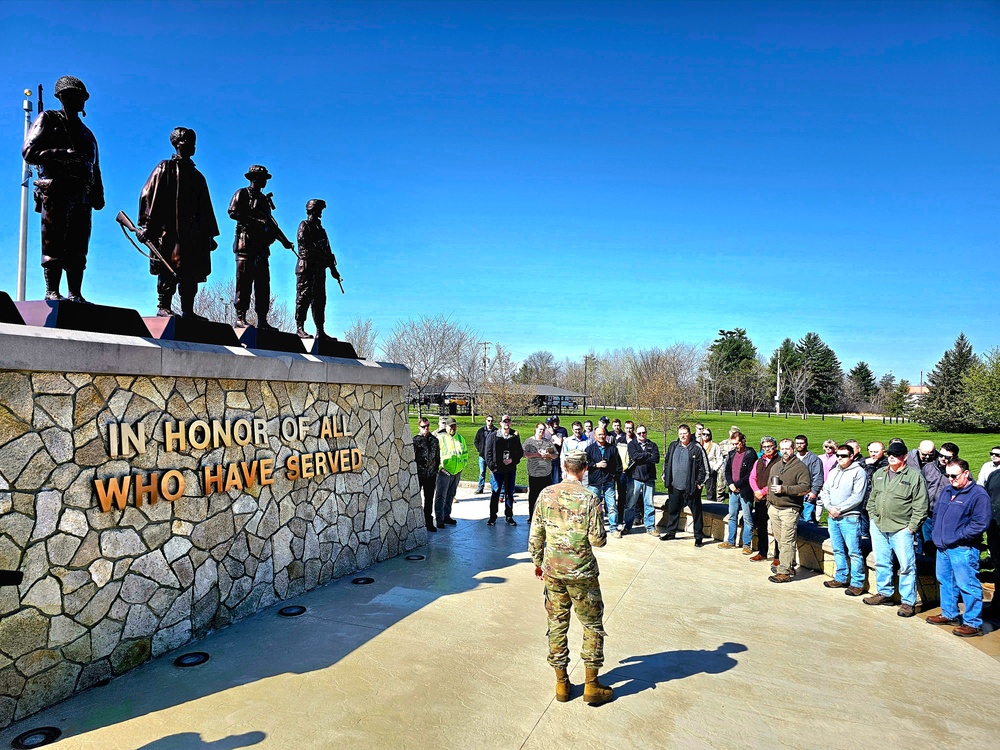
<point>916,392</point>
<point>452,398</point>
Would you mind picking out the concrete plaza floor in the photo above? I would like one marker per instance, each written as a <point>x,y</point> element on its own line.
<point>449,652</point>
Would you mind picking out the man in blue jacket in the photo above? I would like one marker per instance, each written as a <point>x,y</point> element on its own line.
<point>961,514</point>
<point>643,456</point>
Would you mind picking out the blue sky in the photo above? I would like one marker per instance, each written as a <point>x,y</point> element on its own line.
<point>564,176</point>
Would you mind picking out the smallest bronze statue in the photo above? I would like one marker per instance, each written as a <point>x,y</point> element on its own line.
<point>315,256</point>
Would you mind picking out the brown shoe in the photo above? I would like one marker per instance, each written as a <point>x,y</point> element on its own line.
<point>594,692</point>
<point>964,631</point>
<point>780,578</point>
<point>876,599</point>
<point>835,584</point>
<point>747,551</point>
<point>906,610</point>
<point>854,591</point>
<point>727,545</point>
<point>776,561</point>
<point>942,620</point>
<point>758,558</point>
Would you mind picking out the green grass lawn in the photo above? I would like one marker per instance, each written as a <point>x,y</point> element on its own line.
<point>974,447</point>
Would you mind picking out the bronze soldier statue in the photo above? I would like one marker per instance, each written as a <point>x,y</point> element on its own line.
<point>256,231</point>
<point>175,213</point>
<point>68,187</point>
<point>315,256</point>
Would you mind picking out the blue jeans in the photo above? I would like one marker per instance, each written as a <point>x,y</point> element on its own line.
<point>809,510</point>
<point>606,493</point>
<point>884,546</point>
<point>637,488</point>
<point>482,474</point>
<point>447,486</point>
<point>737,503</point>
<point>957,574</point>
<point>845,538</point>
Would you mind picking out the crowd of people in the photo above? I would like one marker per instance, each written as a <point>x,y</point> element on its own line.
<point>902,502</point>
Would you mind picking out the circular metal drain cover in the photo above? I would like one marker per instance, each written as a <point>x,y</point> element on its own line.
<point>191,660</point>
<point>363,581</point>
<point>36,737</point>
<point>293,611</point>
<point>415,558</point>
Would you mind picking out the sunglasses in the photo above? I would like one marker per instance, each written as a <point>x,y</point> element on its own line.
<point>425,427</point>
<point>995,455</point>
<point>844,455</point>
<point>954,476</point>
<point>643,432</point>
<point>943,457</point>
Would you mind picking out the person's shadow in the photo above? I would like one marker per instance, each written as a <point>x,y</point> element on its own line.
<point>637,673</point>
<point>193,741</point>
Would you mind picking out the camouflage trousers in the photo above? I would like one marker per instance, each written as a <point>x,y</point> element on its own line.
<point>585,597</point>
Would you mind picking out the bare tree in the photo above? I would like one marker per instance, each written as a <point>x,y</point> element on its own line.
<point>363,335</point>
<point>501,395</point>
<point>539,368</point>
<point>799,380</point>
<point>427,347</point>
<point>215,302</point>
<point>470,366</point>
<point>571,376</point>
<point>611,378</point>
<point>666,382</point>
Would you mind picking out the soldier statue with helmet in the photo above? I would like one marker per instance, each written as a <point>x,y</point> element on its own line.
<point>68,187</point>
<point>315,256</point>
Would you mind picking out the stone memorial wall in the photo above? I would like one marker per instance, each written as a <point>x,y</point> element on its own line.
<point>154,491</point>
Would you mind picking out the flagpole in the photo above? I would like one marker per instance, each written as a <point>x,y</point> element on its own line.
<point>22,246</point>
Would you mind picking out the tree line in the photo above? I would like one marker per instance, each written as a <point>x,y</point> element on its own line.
<point>806,376</point>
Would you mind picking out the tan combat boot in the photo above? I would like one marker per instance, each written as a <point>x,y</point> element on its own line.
<point>562,685</point>
<point>594,692</point>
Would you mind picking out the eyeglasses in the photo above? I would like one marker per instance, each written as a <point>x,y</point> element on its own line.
<point>844,455</point>
<point>954,476</point>
<point>642,432</point>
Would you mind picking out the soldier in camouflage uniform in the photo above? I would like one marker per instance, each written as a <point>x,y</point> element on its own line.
<point>315,256</point>
<point>566,525</point>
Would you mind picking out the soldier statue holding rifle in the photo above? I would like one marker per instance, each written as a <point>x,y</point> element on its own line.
<point>315,256</point>
<point>176,217</point>
<point>256,230</point>
<point>68,188</point>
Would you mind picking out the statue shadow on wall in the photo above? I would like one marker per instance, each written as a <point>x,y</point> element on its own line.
<point>340,619</point>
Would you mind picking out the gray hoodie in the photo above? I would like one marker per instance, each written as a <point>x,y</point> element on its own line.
<point>844,490</point>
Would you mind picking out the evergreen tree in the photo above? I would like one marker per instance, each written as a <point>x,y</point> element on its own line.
<point>886,385</point>
<point>861,383</point>
<point>982,386</point>
<point>898,403</point>
<point>945,406</point>
<point>825,393</point>
<point>731,362</point>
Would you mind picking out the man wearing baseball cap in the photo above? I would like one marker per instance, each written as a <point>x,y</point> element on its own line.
<point>897,507</point>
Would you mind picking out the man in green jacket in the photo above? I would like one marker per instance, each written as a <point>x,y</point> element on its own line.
<point>897,507</point>
<point>454,457</point>
<point>789,481</point>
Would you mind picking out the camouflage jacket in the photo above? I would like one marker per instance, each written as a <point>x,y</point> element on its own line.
<point>566,525</point>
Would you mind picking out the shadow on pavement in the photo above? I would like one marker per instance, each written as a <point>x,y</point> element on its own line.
<point>193,741</point>
<point>340,619</point>
<point>637,673</point>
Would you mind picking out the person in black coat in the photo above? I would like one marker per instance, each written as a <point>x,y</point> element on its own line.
<point>739,463</point>
<point>684,474</point>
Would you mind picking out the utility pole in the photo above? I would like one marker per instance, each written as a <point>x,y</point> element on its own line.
<point>486,360</point>
<point>22,245</point>
<point>586,359</point>
<point>777,390</point>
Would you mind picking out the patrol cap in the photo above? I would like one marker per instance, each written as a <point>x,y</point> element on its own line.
<point>575,459</point>
<point>71,83</point>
